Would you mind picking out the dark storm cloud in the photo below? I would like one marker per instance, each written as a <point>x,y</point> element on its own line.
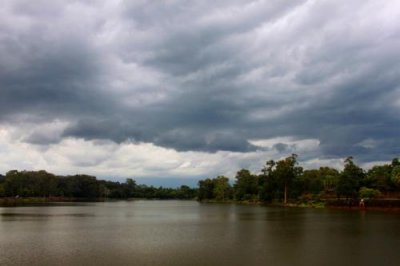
<point>47,71</point>
<point>281,147</point>
<point>206,76</point>
<point>194,35</point>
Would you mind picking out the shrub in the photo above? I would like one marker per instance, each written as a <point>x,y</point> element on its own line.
<point>369,193</point>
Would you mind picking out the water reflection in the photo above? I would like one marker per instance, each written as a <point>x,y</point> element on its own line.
<point>12,214</point>
<point>189,233</point>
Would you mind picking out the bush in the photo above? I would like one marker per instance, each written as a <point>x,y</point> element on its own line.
<point>369,193</point>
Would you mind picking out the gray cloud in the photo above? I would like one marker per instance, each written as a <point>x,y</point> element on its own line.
<point>281,147</point>
<point>206,76</point>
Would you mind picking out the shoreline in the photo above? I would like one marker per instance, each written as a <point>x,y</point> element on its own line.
<point>27,201</point>
<point>385,205</point>
<point>325,204</point>
<point>11,201</point>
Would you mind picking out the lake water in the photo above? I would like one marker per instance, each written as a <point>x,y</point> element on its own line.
<point>190,233</point>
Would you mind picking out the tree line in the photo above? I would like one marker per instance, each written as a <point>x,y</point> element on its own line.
<point>43,184</point>
<point>285,180</point>
<point>281,180</point>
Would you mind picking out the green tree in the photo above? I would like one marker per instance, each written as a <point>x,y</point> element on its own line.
<point>246,185</point>
<point>46,183</point>
<point>83,186</point>
<point>395,176</point>
<point>330,178</point>
<point>267,182</point>
<point>311,181</point>
<point>185,192</point>
<point>222,188</point>
<point>2,193</point>
<point>369,193</point>
<point>128,188</point>
<point>379,177</point>
<point>206,189</point>
<point>286,171</point>
<point>350,180</point>
<point>17,183</point>
<point>316,181</point>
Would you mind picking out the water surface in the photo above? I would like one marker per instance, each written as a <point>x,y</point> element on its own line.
<point>190,233</point>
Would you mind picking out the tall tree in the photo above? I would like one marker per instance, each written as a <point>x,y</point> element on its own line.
<point>350,180</point>
<point>286,171</point>
<point>222,188</point>
<point>329,177</point>
<point>246,185</point>
<point>267,182</point>
<point>206,189</point>
<point>379,177</point>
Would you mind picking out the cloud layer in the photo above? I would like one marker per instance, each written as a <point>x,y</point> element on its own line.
<point>202,78</point>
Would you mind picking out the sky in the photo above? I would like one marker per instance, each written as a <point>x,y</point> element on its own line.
<point>182,90</point>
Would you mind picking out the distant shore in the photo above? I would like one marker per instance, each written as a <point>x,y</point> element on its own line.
<point>24,201</point>
<point>344,204</point>
<point>16,201</point>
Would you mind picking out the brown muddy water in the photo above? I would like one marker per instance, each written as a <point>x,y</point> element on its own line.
<point>190,233</point>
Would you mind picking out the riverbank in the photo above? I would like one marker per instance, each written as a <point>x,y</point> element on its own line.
<point>345,204</point>
<point>24,201</point>
<point>270,204</point>
<point>16,201</point>
<point>369,204</point>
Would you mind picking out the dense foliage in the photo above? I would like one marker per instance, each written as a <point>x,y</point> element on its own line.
<point>44,184</point>
<point>284,179</point>
<point>280,180</point>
